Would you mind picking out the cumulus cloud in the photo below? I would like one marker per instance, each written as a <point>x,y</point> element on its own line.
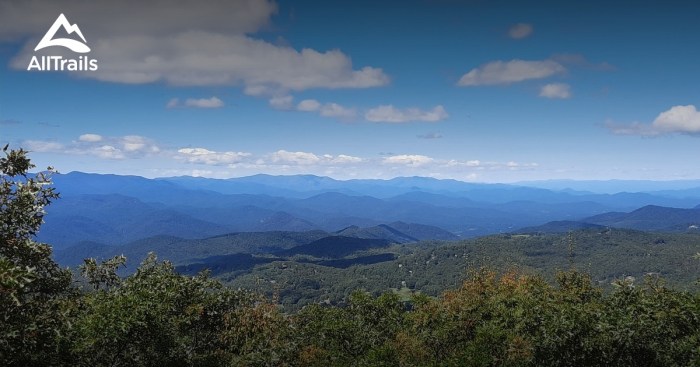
<point>520,31</point>
<point>129,146</point>
<point>283,157</point>
<point>281,102</point>
<point>391,114</point>
<point>337,111</point>
<point>680,119</point>
<point>676,120</point>
<point>106,152</point>
<point>508,72</point>
<point>331,109</point>
<point>136,143</point>
<point>309,105</point>
<point>208,157</point>
<point>213,102</point>
<point>230,163</point>
<point>342,158</point>
<point>556,91</point>
<point>289,162</point>
<point>411,160</point>
<point>196,43</point>
<point>293,162</point>
<point>469,163</point>
<point>91,138</point>
<point>382,113</point>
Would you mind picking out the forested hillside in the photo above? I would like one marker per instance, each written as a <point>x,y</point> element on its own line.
<point>433,267</point>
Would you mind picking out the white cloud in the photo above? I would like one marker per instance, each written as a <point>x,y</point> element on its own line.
<point>130,146</point>
<point>196,43</point>
<point>382,113</point>
<point>213,102</point>
<point>107,152</point>
<point>342,165</point>
<point>337,111</point>
<point>457,163</point>
<point>556,90</point>
<point>301,158</point>
<point>92,138</point>
<point>133,143</point>
<point>281,102</point>
<point>507,72</point>
<point>43,146</point>
<point>327,109</point>
<point>208,157</point>
<point>411,160</point>
<point>389,113</point>
<point>429,136</point>
<point>224,164</point>
<point>202,58</point>
<point>520,30</point>
<point>342,158</point>
<point>283,157</point>
<point>677,119</point>
<point>309,105</point>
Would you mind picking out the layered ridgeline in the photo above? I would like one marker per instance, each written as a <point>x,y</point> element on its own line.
<point>116,210</point>
<point>647,218</point>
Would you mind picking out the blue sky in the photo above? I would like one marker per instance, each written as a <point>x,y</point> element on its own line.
<point>494,91</point>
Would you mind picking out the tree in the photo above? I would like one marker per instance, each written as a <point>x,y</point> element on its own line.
<point>157,317</point>
<point>33,289</point>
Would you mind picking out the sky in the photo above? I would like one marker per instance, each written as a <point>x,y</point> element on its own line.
<point>475,90</point>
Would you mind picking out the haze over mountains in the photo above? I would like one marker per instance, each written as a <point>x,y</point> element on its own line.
<point>111,210</point>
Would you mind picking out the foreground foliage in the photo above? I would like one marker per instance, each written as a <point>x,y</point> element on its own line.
<point>158,317</point>
<point>33,289</point>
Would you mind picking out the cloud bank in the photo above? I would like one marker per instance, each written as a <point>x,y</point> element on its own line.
<point>191,43</point>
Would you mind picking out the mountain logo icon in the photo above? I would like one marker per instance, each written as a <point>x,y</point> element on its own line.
<point>73,45</point>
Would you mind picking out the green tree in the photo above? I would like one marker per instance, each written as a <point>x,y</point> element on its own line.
<point>360,334</point>
<point>157,317</point>
<point>33,289</point>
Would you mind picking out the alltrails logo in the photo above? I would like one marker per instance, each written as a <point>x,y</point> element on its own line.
<point>59,63</point>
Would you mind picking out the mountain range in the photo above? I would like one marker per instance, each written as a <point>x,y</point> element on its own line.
<point>116,210</point>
